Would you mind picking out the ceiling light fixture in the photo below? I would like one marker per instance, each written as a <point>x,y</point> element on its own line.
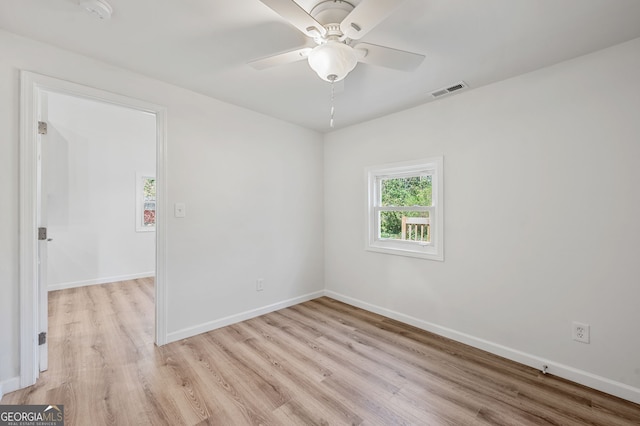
<point>97,8</point>
<point>333,60</point>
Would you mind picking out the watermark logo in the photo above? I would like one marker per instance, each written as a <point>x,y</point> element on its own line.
<point>31,415</point>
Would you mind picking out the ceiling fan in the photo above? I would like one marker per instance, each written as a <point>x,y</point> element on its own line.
<point>335,26</point>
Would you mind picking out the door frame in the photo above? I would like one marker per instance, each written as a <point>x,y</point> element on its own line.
<point>32,86</point>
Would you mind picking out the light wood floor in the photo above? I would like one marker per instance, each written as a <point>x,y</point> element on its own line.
<point>320,362</point>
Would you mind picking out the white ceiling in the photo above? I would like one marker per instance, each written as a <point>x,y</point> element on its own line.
<point>204,45</point>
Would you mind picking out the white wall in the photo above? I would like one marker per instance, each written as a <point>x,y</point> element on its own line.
<point>541,217</point>
<point>252,187</point>
<point>94,150</point>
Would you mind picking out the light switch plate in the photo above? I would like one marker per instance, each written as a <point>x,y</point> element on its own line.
<point>180,210</point>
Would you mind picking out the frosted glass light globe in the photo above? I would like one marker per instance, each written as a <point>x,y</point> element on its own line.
<point>333,60</point>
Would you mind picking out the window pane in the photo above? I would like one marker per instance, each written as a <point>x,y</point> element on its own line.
<point>149,214</point>
<point>145,202</point>
<point>404,210</point>
<point>407,226</point>
<point>406,191</point>
<point>149,189</point>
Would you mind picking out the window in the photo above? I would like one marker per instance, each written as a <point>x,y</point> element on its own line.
<point>404,209</point>
<point>145,202</point>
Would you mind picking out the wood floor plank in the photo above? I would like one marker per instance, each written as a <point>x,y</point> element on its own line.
<point>268,362</point>
<point>318,363</point>
<point>229,390</point>
<point>346,382</point>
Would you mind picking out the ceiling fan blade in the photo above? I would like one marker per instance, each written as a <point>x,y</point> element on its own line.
<point>297,16</point>
<point>281,59</point>
<point>366,16</point>
<point>388,57</point>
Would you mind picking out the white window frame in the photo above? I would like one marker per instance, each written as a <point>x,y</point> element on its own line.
<point>432,250</point>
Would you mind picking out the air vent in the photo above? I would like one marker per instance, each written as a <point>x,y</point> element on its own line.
<point>448,90</point>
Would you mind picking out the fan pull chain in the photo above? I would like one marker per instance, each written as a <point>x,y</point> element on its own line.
<point>333,109</point>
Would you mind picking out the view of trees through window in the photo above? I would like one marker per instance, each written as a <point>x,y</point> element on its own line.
<point>149,195</point>
<point>403,192</point>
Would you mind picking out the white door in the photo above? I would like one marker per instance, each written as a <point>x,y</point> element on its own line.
<point>42,194</point>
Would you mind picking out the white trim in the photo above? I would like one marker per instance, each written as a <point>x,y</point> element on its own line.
<point>161,227</point>
<point>9,385</point>
<point>29,369</point>
<point>104,280</point>
<point>31,84</point>
<point>582,377</point>
<point>243,316</point>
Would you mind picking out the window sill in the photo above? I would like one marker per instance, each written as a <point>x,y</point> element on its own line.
<point>417,251</point>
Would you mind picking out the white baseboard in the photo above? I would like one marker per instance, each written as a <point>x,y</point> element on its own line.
<point>9,385</point>
<point>603,384</point>
<point>105,280</point>
<point>243,316</point>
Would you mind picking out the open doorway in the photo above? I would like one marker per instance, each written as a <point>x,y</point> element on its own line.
<point>96,195</point>
<point>98,173</point>
<point>83,174</point>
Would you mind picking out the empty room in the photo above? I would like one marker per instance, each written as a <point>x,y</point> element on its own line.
<point>418,212</point>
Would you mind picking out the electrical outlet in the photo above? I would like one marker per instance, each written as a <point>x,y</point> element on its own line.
<point>260,284</point>
<point>580,332</point>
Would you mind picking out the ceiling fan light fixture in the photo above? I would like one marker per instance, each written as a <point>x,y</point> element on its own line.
<point>97,8</point>
<point>333,60</point>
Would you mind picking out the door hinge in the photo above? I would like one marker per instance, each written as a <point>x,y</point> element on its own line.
<point>42,338</point>
<point>42,234</point>
<point>42,127</point>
